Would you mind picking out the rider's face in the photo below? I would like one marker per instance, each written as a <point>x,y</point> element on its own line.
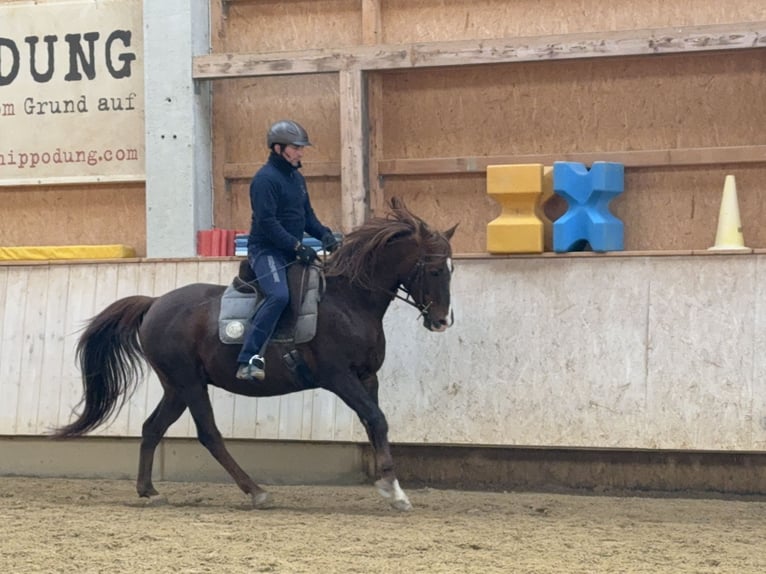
<point>293,154</point>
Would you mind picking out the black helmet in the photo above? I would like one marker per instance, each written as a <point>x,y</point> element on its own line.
<point>287,132</point>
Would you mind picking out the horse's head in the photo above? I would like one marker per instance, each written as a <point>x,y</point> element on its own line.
<point>428,284</point>
<point>400,252</point>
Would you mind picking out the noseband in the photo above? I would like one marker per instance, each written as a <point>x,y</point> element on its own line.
<point>413,286</point>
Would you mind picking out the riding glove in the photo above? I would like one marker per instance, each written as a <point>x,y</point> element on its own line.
<point>305,254</point>
<point>329,243</point>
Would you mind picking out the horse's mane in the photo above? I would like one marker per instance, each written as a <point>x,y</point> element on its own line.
<point>357,257</point>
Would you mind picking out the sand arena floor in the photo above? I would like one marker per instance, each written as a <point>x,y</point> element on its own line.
<point>99,526</point>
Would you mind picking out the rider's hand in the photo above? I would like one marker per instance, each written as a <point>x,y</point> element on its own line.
<point>329,243</point>
<point>305,254</point>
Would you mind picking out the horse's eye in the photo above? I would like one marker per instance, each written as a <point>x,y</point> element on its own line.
<point>436,272</point>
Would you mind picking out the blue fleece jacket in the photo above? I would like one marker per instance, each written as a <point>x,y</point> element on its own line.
<point>281,208</point>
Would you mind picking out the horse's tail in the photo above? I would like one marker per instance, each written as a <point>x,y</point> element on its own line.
<point>111,363</point>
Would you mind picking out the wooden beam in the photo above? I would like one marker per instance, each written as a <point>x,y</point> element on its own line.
<point>375,143</point>
<point>639,158</point>
<point>745,35</point>
<point>235,171</point>
<point>353,149</point>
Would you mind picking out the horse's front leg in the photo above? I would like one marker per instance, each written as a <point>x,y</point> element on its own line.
<point>362,397</point>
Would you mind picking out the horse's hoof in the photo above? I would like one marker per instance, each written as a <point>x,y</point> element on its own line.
<point>401,505</point>
<point>261,499</point>
<point>391,491</point>
<point>154,500</point>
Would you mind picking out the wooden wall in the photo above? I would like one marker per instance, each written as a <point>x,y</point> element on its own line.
<point>240,140</point>
<point>432,20</point>
<point>603,105</point>
<point>627,352</point>
<point>680,122</point>
<point>95,214</point>
<point>44,308</point>
<point>449,87</point>
<point>69,214</point>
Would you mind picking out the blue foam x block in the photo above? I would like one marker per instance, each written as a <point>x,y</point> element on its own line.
<point>588,193</point>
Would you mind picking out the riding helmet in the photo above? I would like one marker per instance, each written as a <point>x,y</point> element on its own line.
<point>287,132</point>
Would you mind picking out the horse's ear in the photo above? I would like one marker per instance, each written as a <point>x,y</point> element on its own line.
<point>450,232</point>
<point>396,203</point>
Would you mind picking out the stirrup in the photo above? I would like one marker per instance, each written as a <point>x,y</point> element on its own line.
<point>257,362</point>
<point>254,369</point>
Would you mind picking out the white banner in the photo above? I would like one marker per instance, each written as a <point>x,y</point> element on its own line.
<point>71,92</point>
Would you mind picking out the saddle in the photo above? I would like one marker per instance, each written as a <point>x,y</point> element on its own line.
<point>242,298</point>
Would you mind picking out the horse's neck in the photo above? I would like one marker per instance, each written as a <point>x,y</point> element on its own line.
<point>372,301</point>
<point>390,271</point>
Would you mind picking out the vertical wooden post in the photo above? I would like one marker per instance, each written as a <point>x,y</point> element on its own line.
<point>353,153</point>
<point>372,33</point>
<point>371,26</point>
<point>375,142</point>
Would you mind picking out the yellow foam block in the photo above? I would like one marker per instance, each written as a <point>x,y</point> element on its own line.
<point>47,252</point>
<point>518,189</point>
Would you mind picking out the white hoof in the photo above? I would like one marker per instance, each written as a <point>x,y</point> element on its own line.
<point>261,499</point>
<point>154,500</point>
<point>392,492</point>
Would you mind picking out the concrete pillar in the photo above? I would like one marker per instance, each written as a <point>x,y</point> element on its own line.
<point>178,138</point>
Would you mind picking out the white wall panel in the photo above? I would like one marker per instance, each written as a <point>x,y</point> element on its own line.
<point>598,352</point>
<point>32,330</point>
<point>13,349</point>
<point>81,293</point>
<point>55,355</point>
<point>634,352</point>
<point>756,411</point>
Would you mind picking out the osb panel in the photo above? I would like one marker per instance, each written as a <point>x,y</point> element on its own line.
<point>272,25</point>
<point>275,25</point>
<point>404,21</point>
<point>661,208</point>
<point>590,105</point>
<point>243,111</point>
<point>63,215</point>
<point>233,211</point>
<point>678,208</point>
<point>446,200</point>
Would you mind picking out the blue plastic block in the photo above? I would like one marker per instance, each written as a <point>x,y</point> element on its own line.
<point>588,194</point>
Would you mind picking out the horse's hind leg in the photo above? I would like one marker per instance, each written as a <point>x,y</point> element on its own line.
<point>167,412</point>
<point>198,401</point>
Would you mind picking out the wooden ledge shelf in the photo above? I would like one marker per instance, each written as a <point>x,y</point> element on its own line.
<point>478,164</point>
<point>608,254</point>
<point>653,41</point>
<point>633,158</point>
<point>238,171</point>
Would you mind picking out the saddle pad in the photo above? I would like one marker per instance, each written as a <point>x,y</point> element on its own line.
<point>306,324</point>
<point>237,308</point>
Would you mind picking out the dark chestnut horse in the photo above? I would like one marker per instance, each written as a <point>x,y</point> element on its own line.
<point>177,334</point>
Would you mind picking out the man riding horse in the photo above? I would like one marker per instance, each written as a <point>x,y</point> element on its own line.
<point>282,212</point>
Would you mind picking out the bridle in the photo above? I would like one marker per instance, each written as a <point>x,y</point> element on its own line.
<point>413,286</point>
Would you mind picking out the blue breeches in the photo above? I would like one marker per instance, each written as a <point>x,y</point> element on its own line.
<point>270,267</point>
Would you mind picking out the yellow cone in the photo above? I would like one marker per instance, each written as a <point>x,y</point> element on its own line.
<point>729,234</point>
